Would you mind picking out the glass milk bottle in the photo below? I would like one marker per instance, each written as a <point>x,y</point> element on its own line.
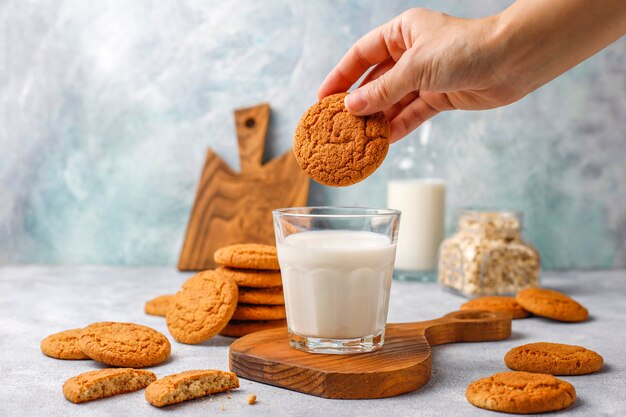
<point>419,194</point>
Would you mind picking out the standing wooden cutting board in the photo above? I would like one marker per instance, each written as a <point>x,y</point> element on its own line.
<point>235,207</point>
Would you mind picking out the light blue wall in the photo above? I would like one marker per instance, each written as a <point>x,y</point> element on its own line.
<point>107,109</point>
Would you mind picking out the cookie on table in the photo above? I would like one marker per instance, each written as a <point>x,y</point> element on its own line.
<point>202,308</point>
<point>259,312</point>
<point>188,385</point>
<point>63,345</point>
<point>248,256</point>
<point>498,304</point>
<point>271,296</point>
<point>239,328</point>
<point>106,383</point>
<point>551,304</point>
<point>254,278</point>
<point>521,393</point>
<point>158,306</point>
<point>125,345</point>
<point>337,148</point>
<point>554,359</point>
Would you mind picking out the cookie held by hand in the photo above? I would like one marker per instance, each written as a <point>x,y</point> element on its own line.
<point>337,148</point>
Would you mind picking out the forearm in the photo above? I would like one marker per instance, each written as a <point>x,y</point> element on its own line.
<point>538,40</point>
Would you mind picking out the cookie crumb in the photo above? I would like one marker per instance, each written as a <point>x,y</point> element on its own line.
<point>251,399</point>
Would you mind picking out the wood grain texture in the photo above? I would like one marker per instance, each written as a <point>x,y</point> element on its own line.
<point>402,365</point>
<point>251,125</point>
<point>232,207</point>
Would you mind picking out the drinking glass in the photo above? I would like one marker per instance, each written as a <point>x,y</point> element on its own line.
<point>336,265</point>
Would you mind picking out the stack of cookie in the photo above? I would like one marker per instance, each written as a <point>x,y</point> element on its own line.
<point>261,304</point>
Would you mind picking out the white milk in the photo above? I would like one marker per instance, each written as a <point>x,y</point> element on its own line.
<point>336,283</point>
<point>422,203</point>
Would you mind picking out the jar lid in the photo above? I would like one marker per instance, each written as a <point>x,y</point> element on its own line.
<point>495,222</point>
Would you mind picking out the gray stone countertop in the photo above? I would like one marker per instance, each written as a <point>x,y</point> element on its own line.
<point>36,301</point>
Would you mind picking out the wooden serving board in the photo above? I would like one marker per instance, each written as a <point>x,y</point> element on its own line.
<point>235,207</point>
<point>402,365</point>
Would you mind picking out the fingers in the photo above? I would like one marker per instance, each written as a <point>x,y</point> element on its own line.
<point>378,70</point>
<point>410,118</point>
<point>368,51</point>
<point>381,93</point>
<point>395,110</point>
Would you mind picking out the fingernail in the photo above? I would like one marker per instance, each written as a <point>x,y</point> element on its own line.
<point>355,101</point>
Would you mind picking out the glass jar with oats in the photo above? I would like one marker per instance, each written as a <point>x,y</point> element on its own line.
<point>487,255</point>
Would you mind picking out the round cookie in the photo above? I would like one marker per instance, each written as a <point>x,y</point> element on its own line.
<point>259,312</point>
<point>125,345</point>
<point>521,393</point>
<point>239,328</point>
<point>251,277</point>
<point>248,256</point>
<point>271,296</point>
<point>337,148</point>
<point>63,345</point>
<point>202,308</point>
<point>498,304</point>
<point>197,280</point>
<point>158,306</point>
<point>551,304</point>
<point>554,359</point>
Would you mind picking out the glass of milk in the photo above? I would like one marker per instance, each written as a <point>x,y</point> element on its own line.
<point>422,203</point>
<point>416,189</point>
<point>336,264</point>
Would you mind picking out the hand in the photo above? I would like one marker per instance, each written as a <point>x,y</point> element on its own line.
<point>424,62</point>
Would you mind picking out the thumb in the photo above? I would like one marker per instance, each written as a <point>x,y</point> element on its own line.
<point>379,94</point>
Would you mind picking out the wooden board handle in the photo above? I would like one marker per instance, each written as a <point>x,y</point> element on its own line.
<point>467,326</point>
<point>251,124</point>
